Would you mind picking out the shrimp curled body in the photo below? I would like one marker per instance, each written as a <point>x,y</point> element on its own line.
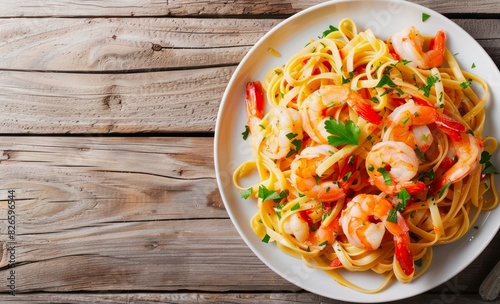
<point>391,166</point>
<point>305,179</point>
<point>364,222</point>
<point>408,44</point>
<point>329,97</point>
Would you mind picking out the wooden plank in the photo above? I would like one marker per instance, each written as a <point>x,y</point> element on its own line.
<point>247,298</point>
<point>92,180</point>
<point>60,8</point>
<point>144,44</point>
<point>126,44</point>
<point>169,101</point>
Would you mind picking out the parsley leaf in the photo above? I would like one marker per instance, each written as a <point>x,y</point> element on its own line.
<point>403,195</point>
<point>489,168</point>
<point>443,190</point>
<point>425,17</point>
<point>385,175</point>
<point>392,216</point>
<point>418,263</point>
<point>342,134</point>
<point>245,133</point>
<point>347,80</point>
<point>246,193</point>
<point>330,29</point>
<point>295,207</point>
<point>424,175</point>
<point>385,80</point>
<point>266,194</point>
<point>266,238</point>
<point>426,88</point>
<point>466,84</point>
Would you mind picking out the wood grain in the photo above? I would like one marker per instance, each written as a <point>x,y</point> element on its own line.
<point>108,179</point>
<point>31,8</point>
<point>57,103</point>
<point>126,45</point>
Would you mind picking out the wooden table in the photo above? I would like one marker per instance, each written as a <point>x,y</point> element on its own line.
<point>107,114</point>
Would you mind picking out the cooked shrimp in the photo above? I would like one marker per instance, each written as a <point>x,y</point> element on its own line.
<point>391,165</point>
<point>315,106</point>
<point>300,229</point>
<point>281,129</point>
<point>305,179</point>
<point>467,152</point>
<point>364,222</point>
<point>408,45</point>
<point>410,122</point>
<point>254,105</point>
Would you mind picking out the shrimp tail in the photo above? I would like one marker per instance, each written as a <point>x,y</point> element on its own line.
<point>367,112</point>
<point>437,46</point>
<point>414,188</point>
<point>450,126</point>
<point>254,102</point>
<point>402,246</point>
<point>347,174</point>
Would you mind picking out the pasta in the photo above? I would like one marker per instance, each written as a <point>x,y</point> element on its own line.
<point>372,153</point>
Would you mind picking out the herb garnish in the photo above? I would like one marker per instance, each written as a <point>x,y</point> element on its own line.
<point>246,133</point>
<point>330,29</point>
<point>342,134</point>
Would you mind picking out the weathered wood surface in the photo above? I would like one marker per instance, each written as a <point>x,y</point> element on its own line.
<point>128,75</point>
<point>32,8</point>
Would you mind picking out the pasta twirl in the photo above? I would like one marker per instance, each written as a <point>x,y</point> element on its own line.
<point>371,153</point>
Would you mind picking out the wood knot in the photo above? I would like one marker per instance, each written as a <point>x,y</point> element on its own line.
<point>151,246</point>
<point>156,47</point>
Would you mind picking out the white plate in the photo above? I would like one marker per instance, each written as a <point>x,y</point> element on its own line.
<point>384,18</point>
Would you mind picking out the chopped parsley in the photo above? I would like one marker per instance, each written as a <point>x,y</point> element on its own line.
<point>266,238</point>
<point>473,65</point>
<point>330,30</point>
<point>418,263</point>
<point>324,243</point>
<point>419,153</point>
<point>426,88</point>
<point>246,193</point>
<point>403,195</point>
<point>295,207</point>
<point>385,175</point>
<point>385,80</point>
<point>342,134</point>
<point>489,168</point>
<point>424,175</point>
<point>347,80</point>
<point>246,133</point>
<point>266,194</point>
<point>443,190</point>
<point>425,17</point>
<point>466,84</point>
